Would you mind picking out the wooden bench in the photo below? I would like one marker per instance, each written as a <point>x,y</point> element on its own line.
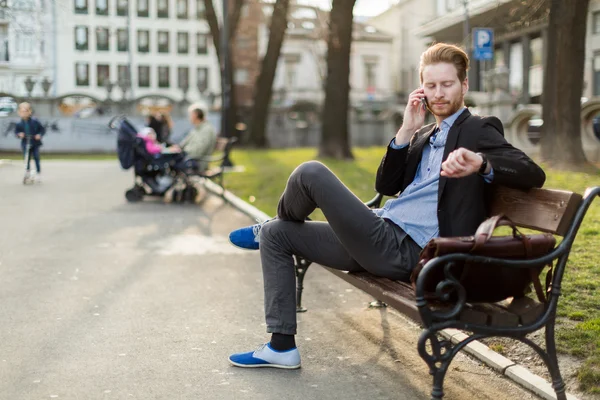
<point>554,211</point>
<point>216,161</point>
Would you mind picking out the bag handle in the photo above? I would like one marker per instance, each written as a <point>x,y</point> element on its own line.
<point>487,227</point>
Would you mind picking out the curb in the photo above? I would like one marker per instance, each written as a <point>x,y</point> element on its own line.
<point>480,351</point>
<point>5,162</point>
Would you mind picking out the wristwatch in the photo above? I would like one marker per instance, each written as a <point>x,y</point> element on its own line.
<point>484,163</point>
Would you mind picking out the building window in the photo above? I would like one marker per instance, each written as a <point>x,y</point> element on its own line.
<point>515,77</point>
<point>142,8</point>
<point>240,76</point>
<point>499,57</point>
<point>102,75</point>
<point>183,77</point>
<point>202,79</point>
<point>143,41</point>
<point>370,76</point>
<point>596,22</point>
<point>122,40</point>
<point>81,7</point>
<point>82,74</point>
<point>202,43</point>
<point>163,41</point>
<point>182,42</point>
<point>162,8</point>
<point>200,9</point>
<point>102,39</point>
<point>81,38</point>
<point>163,77</point>
<point>182,9</point>
<point>144,76</point>
<point>24,43</point>
<point>123,74</point>
<point>122,7</point>
<point>101,7</point>
<point>291,69</point>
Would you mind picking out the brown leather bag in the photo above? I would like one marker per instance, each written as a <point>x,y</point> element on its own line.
<point>488,282</point>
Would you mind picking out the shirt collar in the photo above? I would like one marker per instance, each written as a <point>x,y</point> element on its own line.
<point>451,119</point>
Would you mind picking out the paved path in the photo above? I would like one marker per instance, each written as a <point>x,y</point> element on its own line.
<point>100,299</point>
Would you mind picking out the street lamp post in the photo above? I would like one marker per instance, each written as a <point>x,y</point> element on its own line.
<point>108,85</point>
<point>124,86</point>
<point>184,86</point>
<point>46,85</point>
<point>29,84</point>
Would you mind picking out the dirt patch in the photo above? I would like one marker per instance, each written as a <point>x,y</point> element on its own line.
<point>524,355</point>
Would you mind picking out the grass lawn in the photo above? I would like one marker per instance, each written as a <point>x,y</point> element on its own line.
<point>579,308</point>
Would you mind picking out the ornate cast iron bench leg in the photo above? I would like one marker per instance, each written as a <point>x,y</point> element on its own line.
<point>301,268</point>
<point>557,381</point>
<point>438,358</point>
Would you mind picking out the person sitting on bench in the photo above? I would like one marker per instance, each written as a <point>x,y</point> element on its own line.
<point>443,172</point>
<point>201,139</point>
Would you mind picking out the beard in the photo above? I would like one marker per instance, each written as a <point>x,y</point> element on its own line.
<point>448,108</point>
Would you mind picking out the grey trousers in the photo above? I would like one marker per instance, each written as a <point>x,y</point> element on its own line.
<point>352,239</point>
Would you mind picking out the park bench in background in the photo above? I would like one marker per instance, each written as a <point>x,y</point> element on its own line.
<point>554,211</point>
<point>216,161</point>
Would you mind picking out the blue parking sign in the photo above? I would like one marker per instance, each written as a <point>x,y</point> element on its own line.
<point>483,43</point>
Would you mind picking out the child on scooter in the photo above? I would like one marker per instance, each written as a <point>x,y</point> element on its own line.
<point>30,128</point>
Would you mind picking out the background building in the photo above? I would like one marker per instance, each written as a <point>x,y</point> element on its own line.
<point>167,43</point>
<point>400,22</point>
<point>25,49</point>
<point>302,68</point>
<point>520,41</point>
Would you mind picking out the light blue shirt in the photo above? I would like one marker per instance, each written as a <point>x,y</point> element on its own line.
<point>415,210</point>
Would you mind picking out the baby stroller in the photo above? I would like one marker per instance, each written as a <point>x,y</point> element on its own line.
<point>153,175</point>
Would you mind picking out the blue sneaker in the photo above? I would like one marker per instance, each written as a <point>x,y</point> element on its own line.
<point>246,238</point>
<point>266,357</point>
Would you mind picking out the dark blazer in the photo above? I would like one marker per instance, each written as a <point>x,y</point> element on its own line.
<point>462,202</point>
<point>36,128</point>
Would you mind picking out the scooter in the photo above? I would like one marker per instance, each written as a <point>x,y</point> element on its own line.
<point>28,178</point>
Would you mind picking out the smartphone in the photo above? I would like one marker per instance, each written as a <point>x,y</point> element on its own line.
<point>424,103</point>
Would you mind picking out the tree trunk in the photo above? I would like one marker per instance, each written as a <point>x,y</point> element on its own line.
<point>264,83</point>
<point>335,138</point>
<point>563,85</point>
<point>215,31</point>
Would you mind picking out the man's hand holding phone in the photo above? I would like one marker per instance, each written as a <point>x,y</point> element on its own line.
<point>414,116</point>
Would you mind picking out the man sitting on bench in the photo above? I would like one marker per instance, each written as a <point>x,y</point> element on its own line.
<point>201,139</point>
<point>442,170</point>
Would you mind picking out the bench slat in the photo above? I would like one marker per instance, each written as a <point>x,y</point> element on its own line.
<point>525,308</point>
<point>400,295</point>
<point>541,209</point>
<point>401,298</point>
<point>497,316</point>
